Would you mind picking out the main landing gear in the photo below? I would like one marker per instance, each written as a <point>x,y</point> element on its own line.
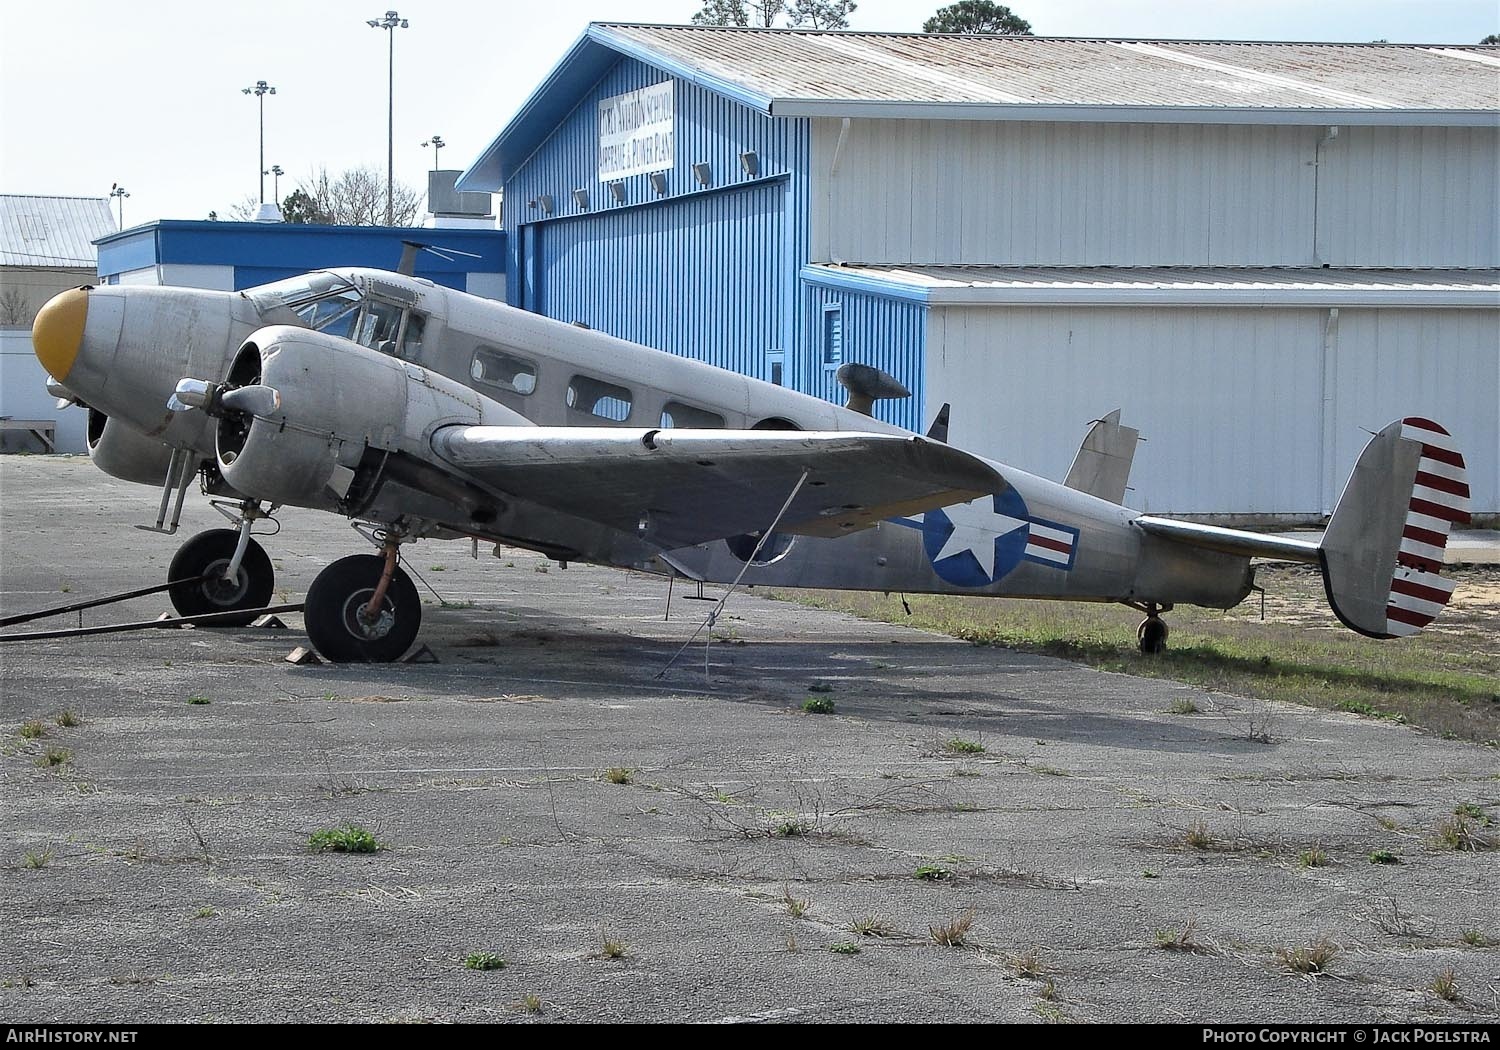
<point>1152,633</point>
<point>223,570</point>
<point>364,608</point>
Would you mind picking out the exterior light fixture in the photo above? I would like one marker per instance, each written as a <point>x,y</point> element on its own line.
<point>750,162</point>
<point>437,144</point>
<point>703,173</point>
<point>617,190</point>
<point>659,182</point>
<point>545,203</point>
<point>119,193</point>
<point>260,89</point>
<point>581,198</point>
<point>390,23</point>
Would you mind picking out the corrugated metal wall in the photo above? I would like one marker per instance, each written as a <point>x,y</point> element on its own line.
<point>1409,197</point>
<point>696,276</point>
<point>1063,194</point>
<point>706,272</point>
<point>886,333</point>
<point>1245,412</point>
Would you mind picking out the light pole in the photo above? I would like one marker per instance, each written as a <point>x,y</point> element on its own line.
<point>260,90</point>
<point>276,174</point>
<point>390,23</point>
<point>437,144</point>
<point>119,193</point>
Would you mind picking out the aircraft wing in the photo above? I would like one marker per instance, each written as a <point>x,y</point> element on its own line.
<point>676,488</point>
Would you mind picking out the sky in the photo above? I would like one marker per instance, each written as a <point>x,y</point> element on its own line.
<point>147,95</point>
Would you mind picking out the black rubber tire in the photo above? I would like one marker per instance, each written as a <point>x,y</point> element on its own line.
<point>200,563</point>
<point>1152,634</point>
<point>334,601</point>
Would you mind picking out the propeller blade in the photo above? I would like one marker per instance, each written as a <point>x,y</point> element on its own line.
<point>256,400</point>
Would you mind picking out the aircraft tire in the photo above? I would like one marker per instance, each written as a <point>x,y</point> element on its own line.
<point>200,563</point>
<point>334,602</point>
<point>1152,635</point>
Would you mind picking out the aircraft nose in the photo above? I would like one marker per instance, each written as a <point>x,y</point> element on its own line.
<point>57,332</point>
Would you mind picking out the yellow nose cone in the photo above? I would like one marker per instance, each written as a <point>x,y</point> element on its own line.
<point>57,332</point>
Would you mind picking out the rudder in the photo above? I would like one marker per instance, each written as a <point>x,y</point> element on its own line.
<point>1383,552</point>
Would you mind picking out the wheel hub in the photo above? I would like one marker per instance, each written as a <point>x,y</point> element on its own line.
<point>220,589</point>
<point>362,627</point>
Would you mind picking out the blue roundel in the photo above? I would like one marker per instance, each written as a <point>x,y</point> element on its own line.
<point>975,544</point>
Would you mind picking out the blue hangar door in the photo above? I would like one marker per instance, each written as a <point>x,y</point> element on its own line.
<point>702,276</point>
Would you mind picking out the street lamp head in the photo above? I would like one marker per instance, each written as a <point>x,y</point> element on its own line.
<point>260,87</point>
<point>391,21</point>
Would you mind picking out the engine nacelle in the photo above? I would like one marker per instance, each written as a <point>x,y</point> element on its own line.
<point>343,407</point>
<point>126,453</point>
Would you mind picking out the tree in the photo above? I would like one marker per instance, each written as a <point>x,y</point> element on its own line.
<point>356,197</point>
<point>300,208</point>
<point>1493,38</point>
<point>815,14</point>
<point>977,17</point>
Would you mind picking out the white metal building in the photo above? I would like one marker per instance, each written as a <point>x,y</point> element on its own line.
<point>1258,251</point>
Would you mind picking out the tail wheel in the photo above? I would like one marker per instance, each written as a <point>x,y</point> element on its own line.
<point>200,563</point>
<point>336,605</point>
<point>1152,635</point>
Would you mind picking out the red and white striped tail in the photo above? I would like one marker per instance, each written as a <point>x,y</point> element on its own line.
<point>1383,557</point>
<point>1439,500</point>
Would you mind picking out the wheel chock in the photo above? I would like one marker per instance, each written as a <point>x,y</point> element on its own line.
<point>422,655</point>
<point>302,656</point>
<point>270,621</point>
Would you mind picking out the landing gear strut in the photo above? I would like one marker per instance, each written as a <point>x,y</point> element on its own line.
<point>1152,633</point>
<point>363,609</point>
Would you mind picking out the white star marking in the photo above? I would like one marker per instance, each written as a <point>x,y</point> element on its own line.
<point>976,526</point>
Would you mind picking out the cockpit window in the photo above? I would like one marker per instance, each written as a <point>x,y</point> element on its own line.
<point>379,325</point>
<point>323,301</point>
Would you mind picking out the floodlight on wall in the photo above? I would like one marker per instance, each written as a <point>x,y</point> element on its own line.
<point>543,202</point>
<point>617,190</point>
<point>581,198</point>
<point>703,173</point>
<point>750,162</point>
<point>659,182</point>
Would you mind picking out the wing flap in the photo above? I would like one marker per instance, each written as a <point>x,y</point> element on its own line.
<point>675,488</point>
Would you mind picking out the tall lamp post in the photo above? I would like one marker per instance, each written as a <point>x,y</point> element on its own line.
<point>276,173</point>
<point>119,193</point>
<point>260,90</point>
<point>390,23</point>
<point>437,144</point>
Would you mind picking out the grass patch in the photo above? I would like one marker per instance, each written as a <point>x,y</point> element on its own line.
<point>68,718</point>
<point>1183,707</point>
<point>484,961</point>
<point>1384,856</point>
<point>619,775</point>
<point>1456,833</point>
<point>953,934</point>
<point>54,757</point>
<point>932,873</point>
<point>1028,963</point>
<point>206,913</point>
<point>1182,940</point>
<point>351,838</point>
<point>34,861</point>
<point>845,948</point>
<point>960,746</point>
<point>796,907</point>
<point>1475,939</point>
<point>613,948</point>
<point>198,699</point>
<point>1445,986</point>
<point>1311,960</point>
<point>819,705</point>
<point>1198,836</point>
<point>33,729</point>
<point>1313,858</point>
<point>531,1003</point>
<point>1440,680</point>
<point>875,925</point>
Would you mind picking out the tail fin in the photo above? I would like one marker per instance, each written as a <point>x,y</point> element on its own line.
<point>1383,551</point>
<point>1102,466</point>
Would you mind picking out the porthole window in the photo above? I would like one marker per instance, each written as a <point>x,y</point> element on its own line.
<point>504,371</point>
<point>598,398</point>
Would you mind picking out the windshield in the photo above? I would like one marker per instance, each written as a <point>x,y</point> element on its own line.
<point>322,301</point>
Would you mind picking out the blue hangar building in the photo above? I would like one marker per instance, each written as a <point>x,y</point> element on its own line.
<point>1241,245</point>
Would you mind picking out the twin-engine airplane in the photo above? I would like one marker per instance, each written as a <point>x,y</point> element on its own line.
<point>420,412</point>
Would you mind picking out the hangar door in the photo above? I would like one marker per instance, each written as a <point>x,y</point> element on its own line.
<point>700,276</point>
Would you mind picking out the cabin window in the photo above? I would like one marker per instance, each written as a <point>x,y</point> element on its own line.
<point>379,325</point>
<point>411,336</point>
<point>676,414</point>
<point>496,368</point>
<point>833,335</point>
<point>598,398</point>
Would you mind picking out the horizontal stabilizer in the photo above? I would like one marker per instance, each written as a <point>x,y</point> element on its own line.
<point>678,487</point>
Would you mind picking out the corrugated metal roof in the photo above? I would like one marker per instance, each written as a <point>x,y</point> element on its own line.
<point>52,231</point>
<point>793,68</point>
<point>1186,286</point>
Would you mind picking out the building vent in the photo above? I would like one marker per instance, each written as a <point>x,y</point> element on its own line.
<point>443,199</point>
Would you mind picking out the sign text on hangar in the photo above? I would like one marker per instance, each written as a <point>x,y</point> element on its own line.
<point>636,132</point>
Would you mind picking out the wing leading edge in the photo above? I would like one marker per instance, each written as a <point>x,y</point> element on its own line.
<point>675,488</point>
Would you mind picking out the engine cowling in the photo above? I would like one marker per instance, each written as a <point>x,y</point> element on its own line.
<point>124,452</point>
<point>343,409</point>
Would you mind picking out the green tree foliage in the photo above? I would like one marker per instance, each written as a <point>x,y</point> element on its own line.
<point>977,17</point>
<point>299,207</point>
<point>814,14</point>
<point>1493,38</point>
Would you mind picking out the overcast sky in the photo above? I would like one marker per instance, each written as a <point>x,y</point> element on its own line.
<point>147,94</point>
